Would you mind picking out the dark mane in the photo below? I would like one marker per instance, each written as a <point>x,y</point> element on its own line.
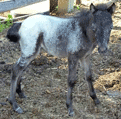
<point>101,6</point>
<point>84,11</point>
<point>85,15</point>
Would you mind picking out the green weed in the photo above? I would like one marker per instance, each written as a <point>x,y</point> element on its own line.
<point>77,6</point>
<point>56,8</point>
<point>7,24</point>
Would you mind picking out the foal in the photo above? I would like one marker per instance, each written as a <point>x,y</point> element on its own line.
<point>74,38</point>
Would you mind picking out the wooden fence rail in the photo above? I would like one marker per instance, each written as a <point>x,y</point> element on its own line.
<point>13,4</point>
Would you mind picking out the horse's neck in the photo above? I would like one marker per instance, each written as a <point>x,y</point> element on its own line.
<point>90,35</point>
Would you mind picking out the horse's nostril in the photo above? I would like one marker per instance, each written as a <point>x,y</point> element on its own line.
<point>102,49</point>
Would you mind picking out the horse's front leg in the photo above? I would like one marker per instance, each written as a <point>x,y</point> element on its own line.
<point>88,76</point>
<point>72,78</point>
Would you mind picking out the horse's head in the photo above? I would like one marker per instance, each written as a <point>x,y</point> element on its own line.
<point>102,24</point>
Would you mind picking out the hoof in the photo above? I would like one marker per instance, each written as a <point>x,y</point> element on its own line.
<point>18,110</point>
<point>96,101</point>
<point>22,95</point>
<point>71,114</point>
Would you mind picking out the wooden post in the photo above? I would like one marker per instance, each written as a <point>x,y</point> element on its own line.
<point>62,5</point>
<point>65,5</point>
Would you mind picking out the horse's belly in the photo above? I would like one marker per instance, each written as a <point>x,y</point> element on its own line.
<point>55,49</point>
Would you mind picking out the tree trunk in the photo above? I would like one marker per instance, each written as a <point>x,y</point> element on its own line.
<point>53,4</point>
<point>78,2</point>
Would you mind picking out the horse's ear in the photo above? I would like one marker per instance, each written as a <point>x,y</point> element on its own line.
<point>92,8</point>
<point>112,8</point>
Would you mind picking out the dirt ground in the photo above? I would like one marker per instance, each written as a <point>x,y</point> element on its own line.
<point>45,82</point>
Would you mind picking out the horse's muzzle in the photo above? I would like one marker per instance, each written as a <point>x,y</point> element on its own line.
<point>102,50</point>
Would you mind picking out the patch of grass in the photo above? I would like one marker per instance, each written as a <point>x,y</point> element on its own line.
<point>56,8</point>
<point>7,24</point>
<point>77,6</point>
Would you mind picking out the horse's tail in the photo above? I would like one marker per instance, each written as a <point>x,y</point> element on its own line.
<point>12,33</point>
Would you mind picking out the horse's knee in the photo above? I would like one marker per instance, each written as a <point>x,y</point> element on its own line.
<point>89,78</point>
<point>72,80</point>
<point>71,83</point>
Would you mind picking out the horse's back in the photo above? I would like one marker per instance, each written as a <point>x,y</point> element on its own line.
<point>33,26</point>
<point>42,22</point>
<point>60,35</point>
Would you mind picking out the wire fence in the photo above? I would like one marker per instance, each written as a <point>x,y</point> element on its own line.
<point>4,0</point>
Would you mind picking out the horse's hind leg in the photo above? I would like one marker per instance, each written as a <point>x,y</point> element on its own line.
<point>29,51</point>
<point>18,89</point>
<point>17,70</point>
<point>88,73</point>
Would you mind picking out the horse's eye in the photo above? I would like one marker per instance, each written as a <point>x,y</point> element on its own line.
<point>94,27</point>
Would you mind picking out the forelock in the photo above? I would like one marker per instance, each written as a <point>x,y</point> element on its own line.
<point>101,7</point>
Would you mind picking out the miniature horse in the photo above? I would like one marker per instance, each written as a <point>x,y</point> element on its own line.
<point>74,38</point>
